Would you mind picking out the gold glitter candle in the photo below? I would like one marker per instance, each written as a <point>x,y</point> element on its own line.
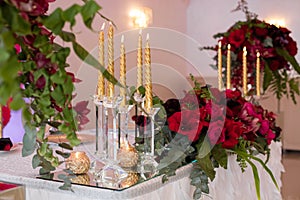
<point>101,84</point>
<point>123,72</point>
<point>228,83</point>
<point>220,65</point>
<point>258,74</point>
<point>110,68</point>
<point>148,78</point>
<point>245,71</point>
<point>139,81</point>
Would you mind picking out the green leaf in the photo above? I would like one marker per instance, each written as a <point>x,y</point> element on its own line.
<point>65,146</point>
<point>256,178</point>
<point>4,55</point>
<point>70,13</point>
<point>63,154</point>
<point>29,141</point>
<point>67,36</point>
<point>58,95</point>
<point>220,155</point>
<point>291,59</point>
<point>54,22</point>
<point>206,165</point>
<point>17,102</point>
<point>268,42</point>
<point>8,39</point>
<point>36,161</point>
<point>88,12</point>
<point>267,77</point>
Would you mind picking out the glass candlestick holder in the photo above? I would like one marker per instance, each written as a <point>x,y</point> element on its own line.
<point>148,165</point>
<point>111,173</point>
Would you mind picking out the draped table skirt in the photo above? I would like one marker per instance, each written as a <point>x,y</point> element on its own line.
<point>229,184</point>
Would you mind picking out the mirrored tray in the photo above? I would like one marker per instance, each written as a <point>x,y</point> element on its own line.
<point>88,179</point>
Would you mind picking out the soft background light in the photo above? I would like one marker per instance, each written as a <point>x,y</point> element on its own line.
<point>140,17</point>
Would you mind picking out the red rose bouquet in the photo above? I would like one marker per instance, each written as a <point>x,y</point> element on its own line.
<point>277,53</point>
<point>217,122</point>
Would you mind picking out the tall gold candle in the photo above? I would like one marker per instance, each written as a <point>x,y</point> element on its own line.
<point>110,68</point>
<point>148,78</point>
<point>139,81</point>
<point>220,65</point>
<point>123,72</point>
<point>228,74</point>
<point>245,71</point>
<point>258,74</point>
<point>101,84</point>
<point>1,128</point>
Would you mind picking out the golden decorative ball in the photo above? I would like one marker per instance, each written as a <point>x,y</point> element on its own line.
<point>127,156</point>
<point>78,162</point>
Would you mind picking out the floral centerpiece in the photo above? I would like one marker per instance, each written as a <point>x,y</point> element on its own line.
<point>208,124</point>
<point>277,52</point>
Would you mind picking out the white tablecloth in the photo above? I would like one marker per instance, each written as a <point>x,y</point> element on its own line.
<point>229,184</point>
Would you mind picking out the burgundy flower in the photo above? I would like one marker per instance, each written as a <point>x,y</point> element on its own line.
<point>41,82</point>
<point>186,122</point>
<point>261,32</point>
<point>82,112</point>
<point>41,60</point>
<point>171,106</point>
<point>74,79</point>
<point>233,130</point>
<point>237,37</point>
<point>291,46</point>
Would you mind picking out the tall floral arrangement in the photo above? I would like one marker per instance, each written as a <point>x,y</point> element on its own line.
<point>277,53</point>
<point>34,69</point>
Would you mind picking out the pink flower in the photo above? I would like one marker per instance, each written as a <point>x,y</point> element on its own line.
<point>18,48</point>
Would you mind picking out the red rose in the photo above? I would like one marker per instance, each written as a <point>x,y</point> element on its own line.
<point>186,122</point>
<point>261,32</point>
<point>233,130</point>
<point>233,94</point>
<point>5,115</point>
<point>237,37</point>
<point>291,47</point>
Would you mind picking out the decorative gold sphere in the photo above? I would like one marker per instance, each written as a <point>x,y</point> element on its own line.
<point>127,155</point>
<point>78,162</point>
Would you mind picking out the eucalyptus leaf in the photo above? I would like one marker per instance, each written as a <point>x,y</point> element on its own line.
<point>29,141</point>
<point>65,146</point>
